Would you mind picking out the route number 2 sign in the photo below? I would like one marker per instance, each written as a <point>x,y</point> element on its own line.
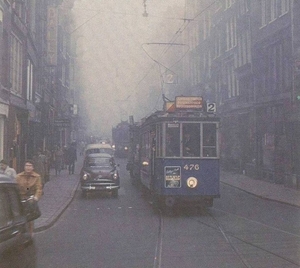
<point>211,107</point>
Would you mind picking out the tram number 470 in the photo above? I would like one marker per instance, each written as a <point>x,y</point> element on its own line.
<point>191,167</point>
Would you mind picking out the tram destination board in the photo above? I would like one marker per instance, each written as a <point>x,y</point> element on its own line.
<point>184,102</point>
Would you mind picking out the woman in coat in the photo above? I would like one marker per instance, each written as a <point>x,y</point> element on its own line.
<point>29,184</point>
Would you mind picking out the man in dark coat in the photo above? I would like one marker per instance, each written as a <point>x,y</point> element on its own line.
<point>71,157</point>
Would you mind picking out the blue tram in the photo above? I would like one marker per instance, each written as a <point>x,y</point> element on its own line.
<point>175,153</point>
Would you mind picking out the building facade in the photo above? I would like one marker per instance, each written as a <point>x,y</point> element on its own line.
<point>244,56</point>
<point>33,66</point>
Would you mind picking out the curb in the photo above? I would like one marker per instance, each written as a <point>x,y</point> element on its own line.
<point>261,196</point>
<point>50,222</point>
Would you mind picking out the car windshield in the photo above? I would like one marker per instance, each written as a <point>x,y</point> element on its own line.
<point>99,162</point>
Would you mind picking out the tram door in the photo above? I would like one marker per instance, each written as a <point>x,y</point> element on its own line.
<point>153,153</point>
<point>148,143</point>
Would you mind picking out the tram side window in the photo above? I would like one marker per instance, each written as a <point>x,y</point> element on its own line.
<point>191,139</point>
<point>209,140</point>
<point>172,139</point>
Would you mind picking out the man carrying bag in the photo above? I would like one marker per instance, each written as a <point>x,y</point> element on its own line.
<point>30,187</point>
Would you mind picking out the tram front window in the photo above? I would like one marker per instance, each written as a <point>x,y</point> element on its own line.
<point>209,140</point>
<point>172,139</point>
<point>191,139</point>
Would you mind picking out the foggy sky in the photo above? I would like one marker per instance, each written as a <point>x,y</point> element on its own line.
<point>116,73</point>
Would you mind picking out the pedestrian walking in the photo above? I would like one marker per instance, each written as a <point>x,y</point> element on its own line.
<point>71,157</point>
<point>7,170</point>
<point>40,165</point>
<point>29,184</point>
<point>58,160</point>
<point>48,155</point>
<point>65,161</point>
<point>82,147</point>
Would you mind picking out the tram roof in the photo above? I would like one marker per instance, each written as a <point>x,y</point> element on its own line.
<point>185,115</point>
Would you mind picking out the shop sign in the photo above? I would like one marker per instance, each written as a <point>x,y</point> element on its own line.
<point>62,123</point>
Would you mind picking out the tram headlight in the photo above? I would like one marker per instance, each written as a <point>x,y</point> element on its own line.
<point>191,182</point>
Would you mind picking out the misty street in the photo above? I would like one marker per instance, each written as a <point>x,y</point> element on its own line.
<point>149,133</point>
<point>103,231</point>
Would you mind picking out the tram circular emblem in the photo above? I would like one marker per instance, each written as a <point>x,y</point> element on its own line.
<point>192,182</point>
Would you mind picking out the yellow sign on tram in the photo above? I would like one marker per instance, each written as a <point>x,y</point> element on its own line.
<point>184,102</point>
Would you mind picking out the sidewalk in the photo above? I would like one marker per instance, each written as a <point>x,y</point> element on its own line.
<point>58,194</point>
<point>60,190</point>
<point>263,189</point>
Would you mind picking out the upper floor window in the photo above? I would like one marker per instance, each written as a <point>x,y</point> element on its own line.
<point>231,33</point>
<point>244,48</point>
<point>20,9</point>
<point>207,64</point>
<point>231,80</point>
<point>243,6</point>
<point>194,36</point>
<point>1,15</point>
<point>283,7</point>
<point>16,63</point>
<point>206,24</point>
<point>272,9</point>
<point>32,15</point>
<point>29,89</point>
<point>277,70</point>
<point>263,9</point>
<point>217,44</point>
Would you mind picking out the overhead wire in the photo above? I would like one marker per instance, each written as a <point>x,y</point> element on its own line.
<point>181,29</point>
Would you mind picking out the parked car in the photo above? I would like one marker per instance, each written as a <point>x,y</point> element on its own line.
<point>16,244</point>
<point>99,148</point>
<point>99,173</point>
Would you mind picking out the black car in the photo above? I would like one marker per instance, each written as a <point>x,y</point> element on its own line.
<point>16,244</point>
<point>99,173</point>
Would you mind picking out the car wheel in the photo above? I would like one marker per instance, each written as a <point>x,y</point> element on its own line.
<point>114,193</point>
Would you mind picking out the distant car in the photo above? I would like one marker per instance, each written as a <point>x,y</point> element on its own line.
<point>99,148</point>
<point>99,173</point>
<point>16,244</point>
